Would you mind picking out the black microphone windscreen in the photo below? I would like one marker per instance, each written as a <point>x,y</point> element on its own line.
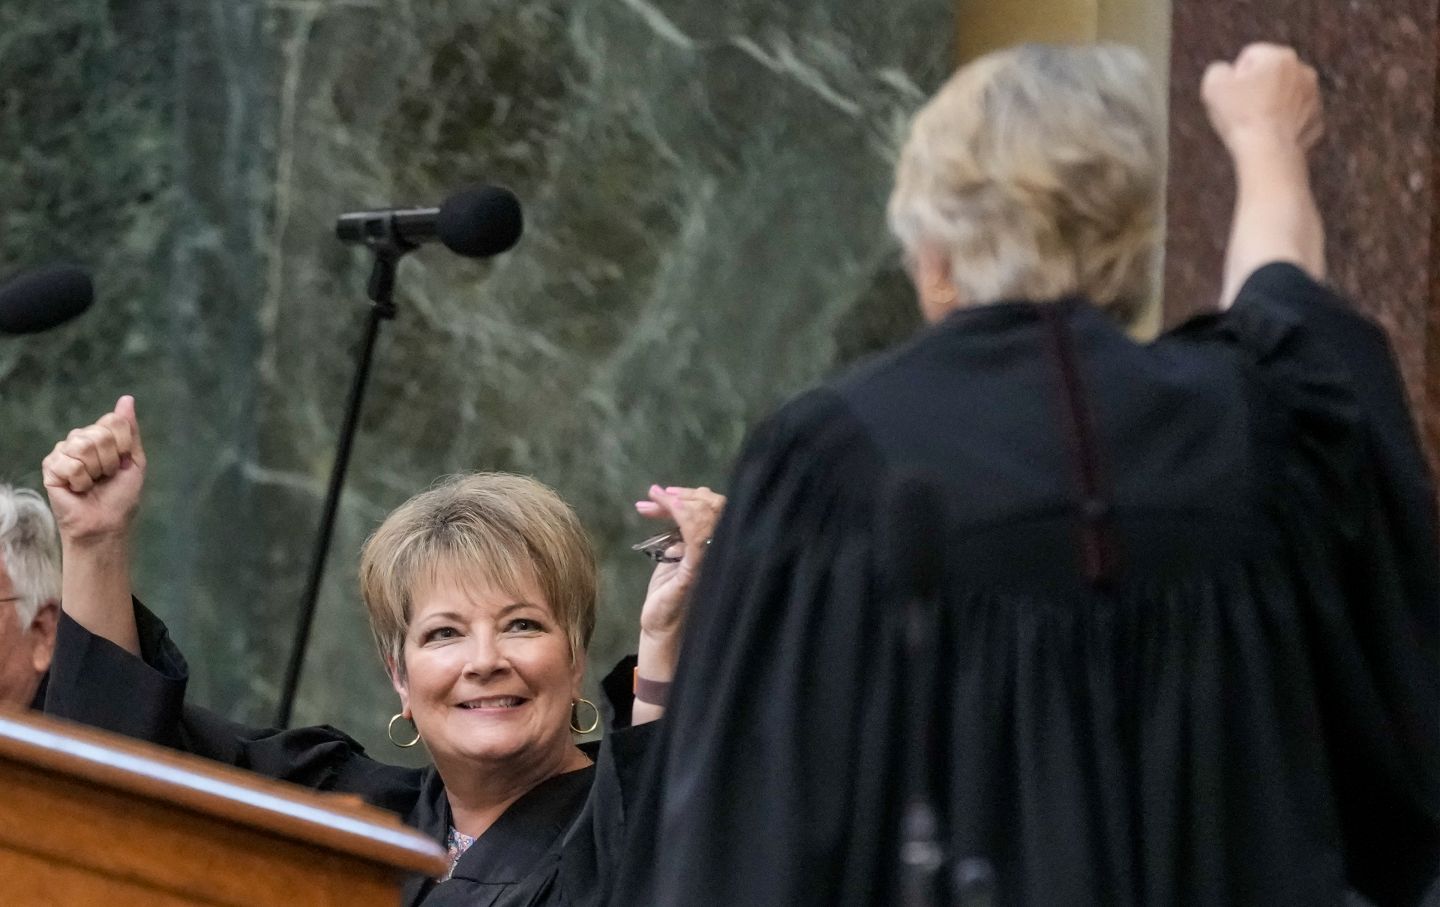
<point>42,299</point>
<point>916,532</point>
<point>480,222</point>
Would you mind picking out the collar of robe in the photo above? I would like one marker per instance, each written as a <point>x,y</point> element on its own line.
<point>510,848</point>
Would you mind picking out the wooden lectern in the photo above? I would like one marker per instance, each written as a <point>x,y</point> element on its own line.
<point>90,818</point>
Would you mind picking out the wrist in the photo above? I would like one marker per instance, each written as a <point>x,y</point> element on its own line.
<point>657,655</point>
<point>95,545</point>
<point>1261,146</point>
<point>661,637</point>
<point>1271,180</point>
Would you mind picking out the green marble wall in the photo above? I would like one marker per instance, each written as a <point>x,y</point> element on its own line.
<point>704,184</point>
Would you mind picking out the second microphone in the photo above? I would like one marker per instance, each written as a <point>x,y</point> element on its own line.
<point>476,223</point>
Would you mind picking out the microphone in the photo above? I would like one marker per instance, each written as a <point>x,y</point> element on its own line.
<point>41,299</point>
<point>476,223</point>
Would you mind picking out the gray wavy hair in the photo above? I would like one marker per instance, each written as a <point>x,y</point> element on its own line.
<point>1038,170</point>
<point>29,550</point>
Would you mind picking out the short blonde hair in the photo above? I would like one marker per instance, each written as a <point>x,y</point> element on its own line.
<point>495,527</point>
<point>29,550</point>
<point>1038,170</point>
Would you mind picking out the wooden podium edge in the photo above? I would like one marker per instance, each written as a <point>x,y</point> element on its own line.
<point>336,822</point>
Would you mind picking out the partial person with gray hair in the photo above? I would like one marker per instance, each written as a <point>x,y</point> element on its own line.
<point>29,596</point>
<point>1030,612</point>
<point>1035,174</point>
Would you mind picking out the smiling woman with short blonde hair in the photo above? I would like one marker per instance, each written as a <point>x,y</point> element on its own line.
<point>481,596</point>
<point>507,528</point>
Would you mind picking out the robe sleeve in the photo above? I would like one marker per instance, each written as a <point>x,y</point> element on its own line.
<point>1359,349</point>
<point>601,843</point>
<point>776,755</point>
<point>1341,432</point>
<point>95,682</point>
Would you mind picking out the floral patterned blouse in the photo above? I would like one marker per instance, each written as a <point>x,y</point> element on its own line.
<point>456,843</point>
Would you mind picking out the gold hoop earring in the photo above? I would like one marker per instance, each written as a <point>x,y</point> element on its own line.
<point>390,731</point>
<point>593,724</point>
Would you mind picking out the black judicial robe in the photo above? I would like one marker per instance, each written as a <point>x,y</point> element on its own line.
<point>556,845</point>
<point>1186,623</point>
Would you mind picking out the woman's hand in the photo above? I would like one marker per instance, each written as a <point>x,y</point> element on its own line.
<point>1268,96</point>
<point>695,511</point>
<point>662,620</point>
<point>1266,109</point>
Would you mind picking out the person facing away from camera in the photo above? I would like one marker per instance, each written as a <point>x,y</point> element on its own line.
<point>1179,598</point>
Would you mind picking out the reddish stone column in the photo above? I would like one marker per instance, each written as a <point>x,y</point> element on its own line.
<point>1375,173</point>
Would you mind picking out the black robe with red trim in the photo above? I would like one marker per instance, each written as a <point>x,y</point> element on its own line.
<point>1183,640</point>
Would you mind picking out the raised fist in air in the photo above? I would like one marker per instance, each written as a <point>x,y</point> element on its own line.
<point>95,475</point>
<point>1268,95</point>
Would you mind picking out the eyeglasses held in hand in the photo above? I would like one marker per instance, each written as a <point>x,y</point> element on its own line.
<point>656,546</point>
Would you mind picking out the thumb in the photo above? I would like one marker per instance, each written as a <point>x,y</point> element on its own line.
<point>1215,73</point>
<point>125,409</point>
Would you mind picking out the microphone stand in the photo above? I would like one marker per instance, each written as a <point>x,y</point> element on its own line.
<point>389,248</point>
<point>924,881</point>
<point>922,855</point>
<point>929,875</point>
